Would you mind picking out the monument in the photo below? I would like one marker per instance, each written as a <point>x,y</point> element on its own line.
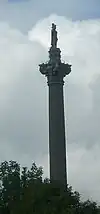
<point>55,71</point>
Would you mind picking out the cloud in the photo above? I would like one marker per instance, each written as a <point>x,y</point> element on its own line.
<point>23,14</point>
<point>24,97</point>
<point>20,84</point>
<point>83,166</point>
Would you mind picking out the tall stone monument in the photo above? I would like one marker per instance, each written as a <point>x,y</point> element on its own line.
<point>55,71</point>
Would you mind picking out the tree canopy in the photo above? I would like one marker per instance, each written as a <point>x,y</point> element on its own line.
<point>23,191</point>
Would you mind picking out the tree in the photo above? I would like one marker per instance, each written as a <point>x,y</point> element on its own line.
<point>25,191</point>
<point>88,207</point>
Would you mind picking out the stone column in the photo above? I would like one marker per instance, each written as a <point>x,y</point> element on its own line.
<point>57,146</point>
<point>55,71</point>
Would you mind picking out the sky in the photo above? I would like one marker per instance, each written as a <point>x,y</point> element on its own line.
<point>24,42</point>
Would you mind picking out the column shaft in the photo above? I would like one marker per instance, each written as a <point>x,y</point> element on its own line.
<point>57,144</point>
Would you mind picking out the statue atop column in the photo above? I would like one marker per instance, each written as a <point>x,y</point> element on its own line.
<point>54,67</point>
<point>54,38</point>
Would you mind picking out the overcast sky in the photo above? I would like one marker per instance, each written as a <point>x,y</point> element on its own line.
<point>24,41</point>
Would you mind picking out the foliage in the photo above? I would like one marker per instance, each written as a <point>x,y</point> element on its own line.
<point>25,191</point>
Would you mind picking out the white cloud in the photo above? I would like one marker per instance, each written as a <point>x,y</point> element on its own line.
<point>23,97</point>
<point>83,166</point>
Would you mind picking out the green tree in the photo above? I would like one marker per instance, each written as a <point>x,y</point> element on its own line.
<point>88,207</point>
<point>25,191</point>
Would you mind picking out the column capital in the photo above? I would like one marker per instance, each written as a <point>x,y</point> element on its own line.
<point>55,73</point>
<point>54,69</point>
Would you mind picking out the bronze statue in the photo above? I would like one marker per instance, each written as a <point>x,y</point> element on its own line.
<point>54,38</point>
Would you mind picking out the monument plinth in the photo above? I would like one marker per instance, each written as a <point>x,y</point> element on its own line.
<point>55,71</point>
